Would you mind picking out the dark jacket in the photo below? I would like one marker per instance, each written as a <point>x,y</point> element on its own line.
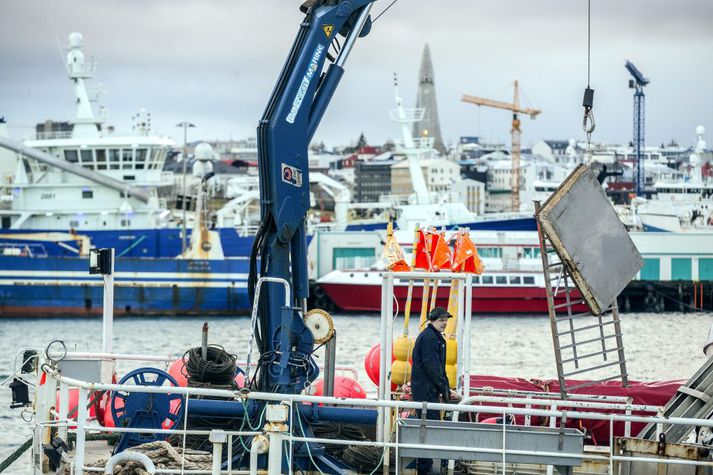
<point>428,376</point>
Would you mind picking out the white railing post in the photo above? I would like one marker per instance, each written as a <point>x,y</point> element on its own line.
<point>217,438</point>
<point>64,409</point>
<point>386,359</point>
<point>81,434</point>
<point>108,309</point>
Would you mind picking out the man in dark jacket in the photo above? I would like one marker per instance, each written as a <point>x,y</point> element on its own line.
<point>428,377</point>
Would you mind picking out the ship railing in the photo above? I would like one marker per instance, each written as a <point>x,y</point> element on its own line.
<point>558,412</point>
<point>53,135</point>
<point>23,249</point>
<point>168,359</point>
<point>246,230</point>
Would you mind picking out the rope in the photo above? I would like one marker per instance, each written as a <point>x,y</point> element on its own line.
<point>383,11</point>
<point>15,455</point>
<point>217,370</point>
<point>164,456</point>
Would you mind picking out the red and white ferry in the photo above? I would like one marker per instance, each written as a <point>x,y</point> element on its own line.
<point>512,283</point>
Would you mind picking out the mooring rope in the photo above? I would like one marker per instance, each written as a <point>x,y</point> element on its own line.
<point>164,456</point>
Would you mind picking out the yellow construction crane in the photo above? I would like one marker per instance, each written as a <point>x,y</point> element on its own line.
<point>515,108</point>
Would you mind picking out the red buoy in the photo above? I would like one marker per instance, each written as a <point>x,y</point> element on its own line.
<point>344,386</point>
<point>73,400</point>
<point>371,364</point>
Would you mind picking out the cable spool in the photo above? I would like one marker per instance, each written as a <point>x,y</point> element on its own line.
<point>321,325</point>
<point>217,371</point>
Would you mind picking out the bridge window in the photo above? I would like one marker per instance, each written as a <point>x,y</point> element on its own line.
<point>501,280</point>
<point>127,158</point>
<point>487,280</point>
<point>71,156</point>
<point>528,280</point>
<point>87,194</point>
<point>114,158</point>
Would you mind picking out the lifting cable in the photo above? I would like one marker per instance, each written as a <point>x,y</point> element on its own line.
<point>588,101</point>
<point>383,11</point>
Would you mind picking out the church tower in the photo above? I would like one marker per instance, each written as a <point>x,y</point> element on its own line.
<point>426,99</point>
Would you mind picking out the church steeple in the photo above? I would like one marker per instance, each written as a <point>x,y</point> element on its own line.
<point>426,99</point>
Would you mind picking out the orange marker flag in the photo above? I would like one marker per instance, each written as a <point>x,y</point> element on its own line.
<point>393,256</point>
<point>440,252</point>
<point>423,251</point>
<point>465,255</point>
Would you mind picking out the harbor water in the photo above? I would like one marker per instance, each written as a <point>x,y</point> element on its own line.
<point>658,347</point>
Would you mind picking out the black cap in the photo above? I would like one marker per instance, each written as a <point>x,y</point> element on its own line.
<point>437,313</point>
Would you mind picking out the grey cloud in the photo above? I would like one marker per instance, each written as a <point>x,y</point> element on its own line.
<point>217,61</point>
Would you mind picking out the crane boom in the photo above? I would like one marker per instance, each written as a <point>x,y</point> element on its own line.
<point>481,101</point>
<point>515,108</point>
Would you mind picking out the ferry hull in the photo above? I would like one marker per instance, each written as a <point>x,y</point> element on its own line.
<point>486,299</point>
<point>63,287</point>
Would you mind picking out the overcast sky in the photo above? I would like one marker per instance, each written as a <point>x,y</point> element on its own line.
<point>214,63</point>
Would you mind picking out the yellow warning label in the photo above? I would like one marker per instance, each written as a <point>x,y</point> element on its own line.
<point>328,30</point>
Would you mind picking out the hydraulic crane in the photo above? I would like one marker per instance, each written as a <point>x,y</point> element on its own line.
<point>514,107</point>
<point>637,83</point>
<point>296,106</point>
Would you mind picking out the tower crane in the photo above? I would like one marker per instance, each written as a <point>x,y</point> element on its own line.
<point>515,108</point>
<point>637,83</point>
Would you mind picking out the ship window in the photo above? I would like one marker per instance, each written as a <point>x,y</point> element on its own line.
<point>71,156</point>
<point>528,280</point>
<point>139,166</point>
<point>126,159</point>
<point>101,155</point>
<point>501,279</point>
<point>74,224</point>
<point>86,156</point>
<point>515,279</point>
<point>114,158</point>
<point>487,279</point>
<point>129,177</point>
<point>101,166</point>
<point>87,194</point>
<point>125,223</point>
<point>140,154</point>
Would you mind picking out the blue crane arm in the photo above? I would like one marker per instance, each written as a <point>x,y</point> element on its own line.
<point>297,103</point>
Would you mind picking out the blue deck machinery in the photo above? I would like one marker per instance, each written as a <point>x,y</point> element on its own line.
<point>637,83</point>
<point>296,106</point>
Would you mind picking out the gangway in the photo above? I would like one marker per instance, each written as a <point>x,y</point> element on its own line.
<point>588,256</point>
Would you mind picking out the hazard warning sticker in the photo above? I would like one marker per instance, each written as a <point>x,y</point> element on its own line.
<point>291,175</point>
<point>328,30</point>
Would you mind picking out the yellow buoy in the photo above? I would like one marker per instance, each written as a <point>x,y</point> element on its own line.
<point>401,367</point>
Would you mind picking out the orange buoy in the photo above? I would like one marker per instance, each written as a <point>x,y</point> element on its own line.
<point>177,369</point>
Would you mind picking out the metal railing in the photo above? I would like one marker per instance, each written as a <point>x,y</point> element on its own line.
<point>557,410</point>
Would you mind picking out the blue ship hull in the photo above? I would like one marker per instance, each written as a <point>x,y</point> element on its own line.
<point>62,286</point>
<point>137,243</point>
